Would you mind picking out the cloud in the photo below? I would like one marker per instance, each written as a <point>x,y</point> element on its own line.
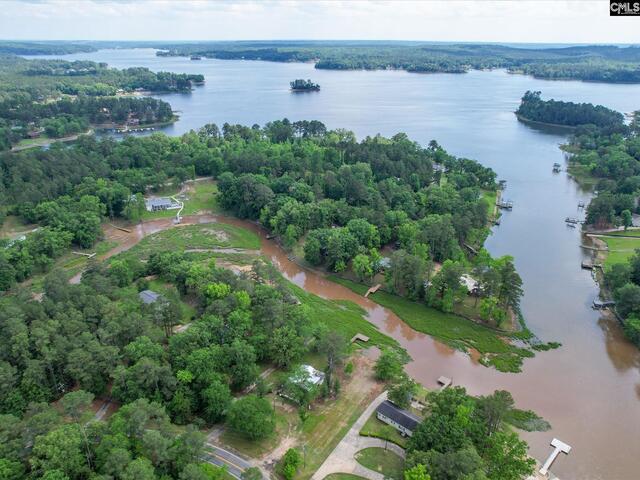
<point>453,20</point>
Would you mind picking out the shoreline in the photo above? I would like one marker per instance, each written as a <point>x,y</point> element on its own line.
<point>555,126</point>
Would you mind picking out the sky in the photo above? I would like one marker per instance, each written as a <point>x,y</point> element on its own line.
<point>547,21</point>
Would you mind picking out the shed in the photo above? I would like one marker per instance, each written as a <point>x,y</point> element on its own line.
<point>403,421</point>
<point>149,296</point>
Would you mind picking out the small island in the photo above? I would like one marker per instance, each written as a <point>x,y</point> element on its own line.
<point>301,85</point>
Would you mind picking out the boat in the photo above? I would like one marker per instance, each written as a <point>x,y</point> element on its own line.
<point>196,57</point>
<point>557,168</point>
<point>580,204</point>
<point>505,204</point>
<point>572,221</point>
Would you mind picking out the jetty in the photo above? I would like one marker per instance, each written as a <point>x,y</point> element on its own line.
<point>373,289</point>
<point>602,304</point>
<point>359,337</point>
<point>590,265</point>
<point>505,204</point>
<point>444,382</point>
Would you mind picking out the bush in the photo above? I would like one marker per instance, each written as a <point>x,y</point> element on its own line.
<point>290,463</point>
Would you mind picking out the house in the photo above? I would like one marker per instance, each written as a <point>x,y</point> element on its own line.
<point>470,283</point>
<point>303,385</point>
<point>310,377</point>
<point>156,204</point>
<point>403,421</point>
<point>148,296</point>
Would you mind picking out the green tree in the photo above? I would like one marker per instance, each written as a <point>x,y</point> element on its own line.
<point>402,391</point>
<point>252,417</point>
<point>362,267</point>
<point>627,219</point>
<point>389,366</point>
<point>216,398</point>
<point>506,457</point>
<point>61,449</point>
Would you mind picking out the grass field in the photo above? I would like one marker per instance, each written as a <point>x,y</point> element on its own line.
<point>342,316</point>
<point>458,332</point>
<point>343,476</point>
<point>376,428</point>
<point>620,249</point>
<point>202,236</point>
<point>382,461</point>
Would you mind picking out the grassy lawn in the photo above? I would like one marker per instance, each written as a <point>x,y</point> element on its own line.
<point>376,428</point>
<point>491,197</point>
<point>456,331</point>
<point>200,197</point>
<point>582,175</point>
<point>382,461</point>
<point>170,291</point>
<point>620,249</point>
<point>342,316</point>
<point>343,476</point>
<point>204,236</point>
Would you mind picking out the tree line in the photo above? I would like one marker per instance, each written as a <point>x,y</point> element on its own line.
<point>609,64</point>
<point>62,98</point>
<point>570,114</point>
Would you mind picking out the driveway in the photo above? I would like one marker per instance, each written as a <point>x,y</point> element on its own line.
<point>342,459</point>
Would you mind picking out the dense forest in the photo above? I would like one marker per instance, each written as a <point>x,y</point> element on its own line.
<point>569,114</point>
<point>58,98</point>
<point>589,63</point>
<point>341,200</point>
<point>44,48</point>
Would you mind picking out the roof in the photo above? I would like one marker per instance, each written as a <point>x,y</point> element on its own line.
<point>148,296</point>
<point>407,419</point>
<point>316,377</point>
<point>159,202</point>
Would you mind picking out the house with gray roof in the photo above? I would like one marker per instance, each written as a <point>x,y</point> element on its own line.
<point>403,421</point>
<point>149,296</point>
<point>155,204</point>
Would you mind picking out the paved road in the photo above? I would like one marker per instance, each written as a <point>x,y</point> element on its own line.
<point>223,458</point>
<point>342,459</point>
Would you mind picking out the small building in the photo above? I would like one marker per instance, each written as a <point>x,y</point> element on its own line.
<point>470,283</point>
<point>403,421</point>
<point>156,204</point>
<point>303,385</point>
<point>149,296</point>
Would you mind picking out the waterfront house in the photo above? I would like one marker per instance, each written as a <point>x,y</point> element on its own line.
<point>403,421</point>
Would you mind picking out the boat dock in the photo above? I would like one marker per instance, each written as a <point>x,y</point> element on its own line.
<point>505,204</point>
